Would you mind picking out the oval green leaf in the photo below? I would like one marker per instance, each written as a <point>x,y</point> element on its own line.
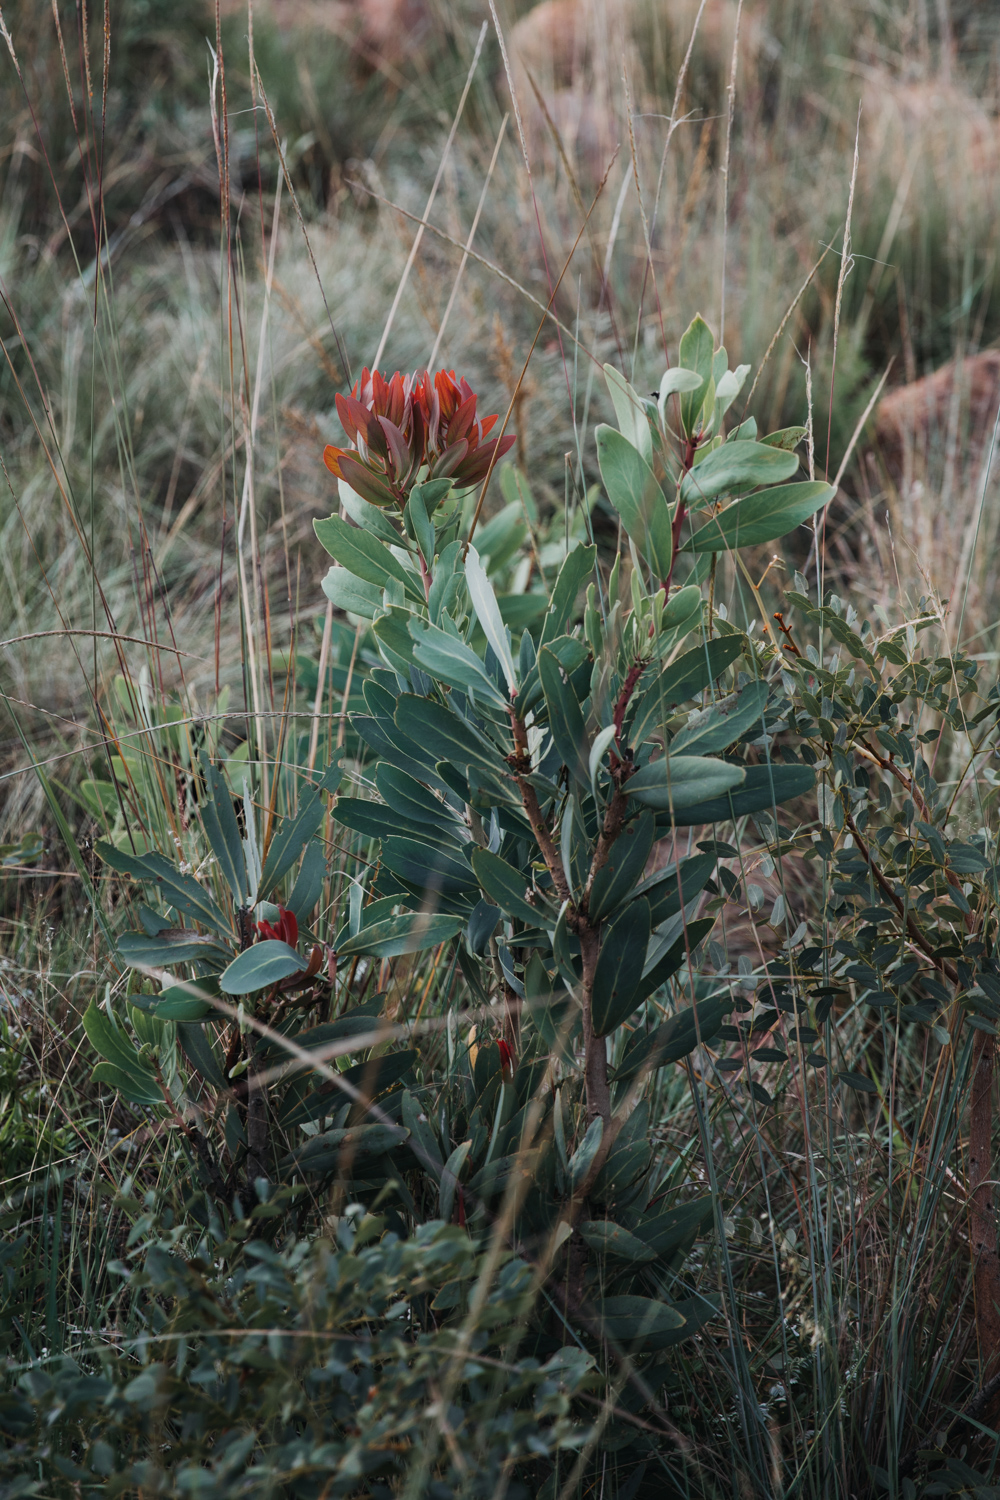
<point>763,788</point>
<point>635,493</point>
<point>735,467</point>
<point>619,968</point>
<point>410,932</point>
<point>679,781</point>
<point>611,1239</point>
<point>259,967</point>
<point>761,518</point>
<point>502,884</point>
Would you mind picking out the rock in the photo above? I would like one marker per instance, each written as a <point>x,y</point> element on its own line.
<point>956,403</point>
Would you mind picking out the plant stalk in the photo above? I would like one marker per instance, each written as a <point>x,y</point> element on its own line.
<point>986,1262</point>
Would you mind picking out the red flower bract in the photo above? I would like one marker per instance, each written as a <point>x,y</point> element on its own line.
<point>286,930</point>
<point>410,427</point>
<point>508,1062</point>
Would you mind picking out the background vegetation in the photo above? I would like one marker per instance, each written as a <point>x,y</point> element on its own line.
<point>199,246</point>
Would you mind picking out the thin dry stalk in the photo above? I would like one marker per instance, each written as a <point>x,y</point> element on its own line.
<point>430,199</point>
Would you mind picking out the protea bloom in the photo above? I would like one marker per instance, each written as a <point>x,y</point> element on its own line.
<point>410,428</point>
<point>285,930</point>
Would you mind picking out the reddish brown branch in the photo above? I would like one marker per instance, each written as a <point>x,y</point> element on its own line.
<point>916,936</point>
<point>520,764</point>
<point>635,671</point>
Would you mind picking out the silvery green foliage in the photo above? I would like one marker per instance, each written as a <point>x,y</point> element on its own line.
<point>530,736</point>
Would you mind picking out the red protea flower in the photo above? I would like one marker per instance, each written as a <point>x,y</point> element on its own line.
<point>285,931</point>
<point>408,428</point>
<point>508,1062</point>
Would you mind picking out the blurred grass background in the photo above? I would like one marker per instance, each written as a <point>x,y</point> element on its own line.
<point>131,378</point>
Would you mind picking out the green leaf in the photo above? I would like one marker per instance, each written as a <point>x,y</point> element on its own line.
<point>691,934</point>
<point>522,611</point>
<point>423,1141</point>
<point>445,585</point>
<point>681,613</point>
<point>786,437</point>
<point>858,1082</point>
<point>259,967</point>
<point>670,889</point>
<point>391,744</point>
<point>683,680</point>
<point>696,352</point>
<point>112,1044</point>
<point>966,859</point>
<point>499,538</point>
<point>677,1229</point>
<point>598,750</point>
<point>368,517</point>
<point>633,424</point>
<point>433,492</point>
<point>696,1312</point>
<point>361,1021</point>
<point>763,788</point>
<point>583,1157</point>
<point>674,382</point>
<point>449,660</point>
<point>611,1239</point>
<point>675,1039</point>
<point>352,595</point>
<point>635,493</point>
<point>180,891</point>
<point>132,1084</point>
<point>174,1004</point>
<point>576,569</point>
<point>410,932</point>
<point>171,945</point>
<point>341,1148</point>
<point>638,1321</point>
<point>568,965</point>
<point>308,885</point>
<point>449,1179</point>
<point>624,867</point>
<point>678,781</point>
<point>426,867</point>
<point>418,515</point>
<point>723,723</point>
<point>371,1077</point>
<point>728,384</point>
<point>736,466</point>
<point>565,717</point>
<point>407,797</point>
<point>374,821</point>
<point>395,643</point>
<point>487,610</point>
<point>619,968</point>
<point>570,652</point>
<point>504,886</point>
<point>365,556</point>
<point>295,833</point>
<point>761,518</point>
<point>629,1157</point>
<point>197,1048</point>
<point>223,832</point>
<point>443,735</point>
